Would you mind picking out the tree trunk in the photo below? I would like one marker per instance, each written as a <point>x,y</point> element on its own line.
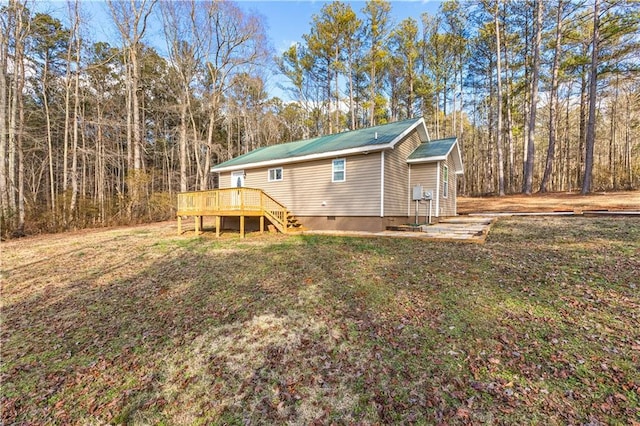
<point>16,121</point>
<point>21,204</point>
<point>352,112</point>
<point>627,143</point>
<point>47,116</point>
<point>372,81</point>
<point>135,105</point>
<point>553,104</point>
<point>567,144</point>
<point>509,121</point>
<point>593,88</point>
<point>582,136</point>
<point>337,112</point>
<point>489,185</point>
<point>528,170</point>
<point>74,149</point>
<point>183,145</point>
<point>100,165</point>
<point>19,128</point>
<point>613,125</point>
<point>76,113</point>
<point>499,102</point>
<point>4,199</point>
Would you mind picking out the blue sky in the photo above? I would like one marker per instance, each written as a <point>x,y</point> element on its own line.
<point>286,21</point>
<point>289,20</point>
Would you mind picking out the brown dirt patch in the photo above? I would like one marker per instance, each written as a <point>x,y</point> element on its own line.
<point>551,202</point>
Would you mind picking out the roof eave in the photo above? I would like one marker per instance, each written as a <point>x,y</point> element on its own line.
<point>419,124</point>
<point>422,132</point>
<point>427,159</point>
<point>459,170</point>
<point>310,157</point>
<point>458,159</point>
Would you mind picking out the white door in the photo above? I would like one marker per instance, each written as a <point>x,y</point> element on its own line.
<point>237,181</point>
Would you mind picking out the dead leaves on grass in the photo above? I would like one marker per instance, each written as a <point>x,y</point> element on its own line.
<point>334,330</point>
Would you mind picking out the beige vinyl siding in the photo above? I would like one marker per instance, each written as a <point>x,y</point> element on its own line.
<point>397,190</point>
<point>423,174</point>
<point>305,186</point>
<point>224,180</point>
<point>448,205</point>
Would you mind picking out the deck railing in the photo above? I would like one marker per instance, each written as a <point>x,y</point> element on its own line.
<point>233,202</point>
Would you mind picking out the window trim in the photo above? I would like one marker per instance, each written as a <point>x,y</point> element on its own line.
<point>334,171</point>
<point>275,169</point>
<point>445,181</point>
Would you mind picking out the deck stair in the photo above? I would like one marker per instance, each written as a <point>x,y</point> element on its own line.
<point>293,223</point>
<point>235,202</point>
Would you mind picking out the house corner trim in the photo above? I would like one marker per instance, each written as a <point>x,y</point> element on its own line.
<point>381,183</point>
<point>438,189</point>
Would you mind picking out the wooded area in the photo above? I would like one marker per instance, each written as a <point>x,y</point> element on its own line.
<point>544,96</point>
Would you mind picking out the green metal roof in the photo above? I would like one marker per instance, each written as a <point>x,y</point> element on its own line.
<point>375,138</point>
<point>434,149</point>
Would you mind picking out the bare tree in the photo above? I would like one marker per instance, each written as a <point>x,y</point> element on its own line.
<point>185,50</point>
<point>131,20</point>
<point>237,42</point>
<point>74,40</point>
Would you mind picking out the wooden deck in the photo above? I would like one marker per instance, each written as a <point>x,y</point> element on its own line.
<point>232,202</point>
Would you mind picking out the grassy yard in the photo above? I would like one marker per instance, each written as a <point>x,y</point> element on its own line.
<point>137,325</point>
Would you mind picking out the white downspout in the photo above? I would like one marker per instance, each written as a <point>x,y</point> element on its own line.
<point>455,198</point>
<point>381,183</point>
<point>438,189</point>
<point>409,193</point>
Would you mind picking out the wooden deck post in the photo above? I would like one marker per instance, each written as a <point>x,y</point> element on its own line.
<point>262,224</point>
<point>179,225</point>
<point>196,222</point>
<point>241,226</point>
<point>217,226</point>
<point>285,216</point>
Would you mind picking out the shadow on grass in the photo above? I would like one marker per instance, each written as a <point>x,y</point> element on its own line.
<point>331,329</point>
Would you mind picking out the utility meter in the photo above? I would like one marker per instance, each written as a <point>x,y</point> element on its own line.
<point>417,192</point>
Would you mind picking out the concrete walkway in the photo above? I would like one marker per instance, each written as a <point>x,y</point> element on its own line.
<point>561,213</point>
<point>473,229</point>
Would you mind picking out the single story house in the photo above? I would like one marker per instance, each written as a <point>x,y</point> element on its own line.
<point>364,179</point>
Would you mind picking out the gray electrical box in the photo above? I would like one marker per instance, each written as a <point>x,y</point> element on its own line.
<point>428,195</point>
<point>417,193</point>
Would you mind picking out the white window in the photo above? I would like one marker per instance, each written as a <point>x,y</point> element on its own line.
<point>445,182</point>
<point>339,170</point>
<point>275,174</point>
